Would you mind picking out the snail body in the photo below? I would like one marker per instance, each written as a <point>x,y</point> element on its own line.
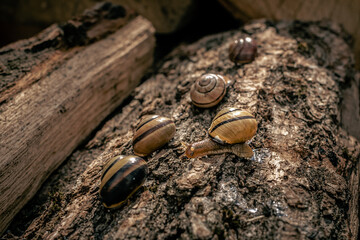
<point>209,147</point>
<point>121,178</point>
<point>243,50</point>
<point>209,90</point>
<point>151,133</point>
<point>229,130</point>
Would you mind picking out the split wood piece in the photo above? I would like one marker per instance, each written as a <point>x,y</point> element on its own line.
<point>42,123</point>
<point>299,185</point>
<point>343,12</point>
<point>49,49</point>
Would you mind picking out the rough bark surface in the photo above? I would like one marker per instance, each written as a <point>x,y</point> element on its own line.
<point>344,12</point>
<point>298,185</point>
<point>54,94</point>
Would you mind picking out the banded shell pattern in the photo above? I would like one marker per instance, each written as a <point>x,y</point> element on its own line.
<point>243,50</point>
<point>122,176</point>
<point>232,125</point>
<point>151,133</point>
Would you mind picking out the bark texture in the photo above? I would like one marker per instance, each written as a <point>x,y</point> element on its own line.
<point>343,12</point>
<point>301,184</point>
<point>54,93</point>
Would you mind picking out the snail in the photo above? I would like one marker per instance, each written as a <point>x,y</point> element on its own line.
<point>121,178</point>
<point>229,131</point>
<point>151,133</point>
<point>208,90</point>
<point>243,50</point>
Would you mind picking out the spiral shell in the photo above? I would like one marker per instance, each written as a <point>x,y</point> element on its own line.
<point>232,125</point>
<point>208,90</point>
<point>122,177</point>
<point>152,132</point>
<point>243,50</point>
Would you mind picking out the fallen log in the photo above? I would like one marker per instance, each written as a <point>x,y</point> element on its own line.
<point>56,88</point>
<point>302,182</point>
<point>341,12</point>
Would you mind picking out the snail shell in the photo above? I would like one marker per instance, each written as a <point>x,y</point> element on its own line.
<point>208,90</point>
<point>243,50</point>
<point>151,133</point>
<point>232,125</point>
<point>122,177</point>
<point>229,131</point>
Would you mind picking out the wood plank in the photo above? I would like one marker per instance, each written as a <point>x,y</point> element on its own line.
<point>44,122</point>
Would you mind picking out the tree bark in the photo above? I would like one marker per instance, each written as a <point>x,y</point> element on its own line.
<point>54,94</point>
<point>301,184</point>
<point>342,12</point>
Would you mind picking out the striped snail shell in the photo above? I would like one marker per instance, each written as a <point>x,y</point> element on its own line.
<point>243,50</point>
<point>122,177</point>
<point>232,125</point>
<point>229,131</point>
<point>151,133</point>
<point>208,90</point>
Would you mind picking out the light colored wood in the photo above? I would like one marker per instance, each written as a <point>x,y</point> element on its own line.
<point>44,123</point>
<point>346,12</point>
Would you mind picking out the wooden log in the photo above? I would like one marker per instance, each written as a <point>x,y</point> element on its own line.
<point>298,186</point>
<point>343,12</point>
<point>55,93</point>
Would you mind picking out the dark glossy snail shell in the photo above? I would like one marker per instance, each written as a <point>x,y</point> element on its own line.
<point>232,125</point>
<point>243,50</point>
<point>208,90</point>
<point>151,133</point>
<point>121,178</point>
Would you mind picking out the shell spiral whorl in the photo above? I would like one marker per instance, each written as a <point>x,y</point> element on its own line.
<point>208,90</point>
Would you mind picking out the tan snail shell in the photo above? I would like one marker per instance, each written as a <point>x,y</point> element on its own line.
<point>243,50</point>
<point>229,130</point>
<point>151,133</point>
<point>208,90</point>
<point>232,125</point>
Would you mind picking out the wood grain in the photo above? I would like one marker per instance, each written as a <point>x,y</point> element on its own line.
<point>42,124</point>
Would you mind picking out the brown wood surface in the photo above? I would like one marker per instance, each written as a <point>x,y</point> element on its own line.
<point>302,184</point>
<point>57,88</point>
<point>344,12</point>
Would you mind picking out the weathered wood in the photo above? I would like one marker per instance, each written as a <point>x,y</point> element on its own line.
<point>299,185</point>
<point>344,12</point>
<point>53,102</point>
